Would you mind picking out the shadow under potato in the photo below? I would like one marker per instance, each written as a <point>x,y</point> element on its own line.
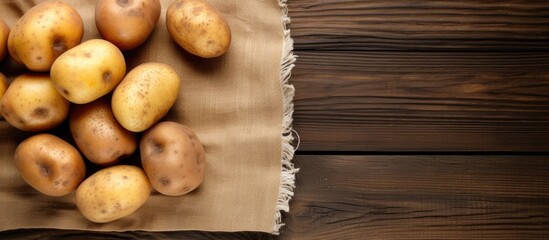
<point>172,53</point>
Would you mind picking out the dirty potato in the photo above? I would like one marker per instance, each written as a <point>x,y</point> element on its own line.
<point>50,164</point>
<point>126,23</point>
<point>145,95</point>
<point>112,193</point>
<point>98,135</point>
<point>173,158</point>
<point>88,71</point>
<point>31,103</point>
<point>198,27</point>
<point>43,33</point>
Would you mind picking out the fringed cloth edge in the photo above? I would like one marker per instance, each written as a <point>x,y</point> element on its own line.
<point>287,176</point>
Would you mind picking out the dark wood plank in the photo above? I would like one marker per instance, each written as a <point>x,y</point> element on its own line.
<point>420,197</point>
<point>420,25</point>
<point>54,234</point>
<point>422,101</point>
<point>352,98</point>
<point>396,197</point>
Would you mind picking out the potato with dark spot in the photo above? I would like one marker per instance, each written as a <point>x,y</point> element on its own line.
<point>112,193</point>
<point>4,32</point>
<point>50,164</point>
<point>98,135</point>
<point>198,27</point>
<point>31,103</point>
<point>88,71</point>
<point>43,33</point>
<point>173,158</point>
<point>126,23</point>
<point>145,95</point>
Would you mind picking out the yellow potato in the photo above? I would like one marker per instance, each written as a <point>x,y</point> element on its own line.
<point>198,27</point>
<point>98,135</point>
<point>126,23</point>
<point>112,193</point>
<point>88,71</point>
<point>31,103</point>
<point>50,164</point>
<point>173,158</point>
<point>3,84</point>
<point>4,32</point>
<point>145,95</point>
<point>43,33</point>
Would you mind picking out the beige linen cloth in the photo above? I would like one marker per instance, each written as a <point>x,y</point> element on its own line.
<point>239,104</point>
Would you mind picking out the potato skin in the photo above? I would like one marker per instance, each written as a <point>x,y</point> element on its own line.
<point>32,104</point>
<point>3,85</point>
<point>198,27</point>
<point>98,135</point>
<point>88,71</point>
<point>112,193</point>
<point>173,158</point>
<point>43,33</point>
<point>4,32</point>
<point>50,164</point>
<point>145,95</point>
<point>126,23</point>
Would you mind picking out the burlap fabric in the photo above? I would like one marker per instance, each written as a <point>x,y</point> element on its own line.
<point>240,106</point>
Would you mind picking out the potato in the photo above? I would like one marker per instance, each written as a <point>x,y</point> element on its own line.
<point>31,103</point>
<point>43,33</point>
<point>112,193</point>
<point>173,158</point>
<point>3,84</point>
<point>88,71</point>
<point>145,95</point>
<point>4,32</point>
<point>50,164</point>
<point>198,28</point>
<point>126,23</point>
<point>98,135</point>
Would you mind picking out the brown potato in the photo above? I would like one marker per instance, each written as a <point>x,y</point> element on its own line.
<point>88,71</point>
<point>98,135</point>
<point>50,164</point>
<point>112,193</point>
<point>43,33</point>
<point>145,95</point>
<point>126,23</point>
<point>173,158</point>
<point>4,32</point>
<point>198,27</point>
<point>3,85</point>
<point>31,103</point>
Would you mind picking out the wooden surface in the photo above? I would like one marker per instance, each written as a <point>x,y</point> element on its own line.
<point>418,120</point>
<point>422,75</point>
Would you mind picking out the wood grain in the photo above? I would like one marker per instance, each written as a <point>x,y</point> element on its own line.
<point>420,197</point>
<point>470,25</point>
<point>456,77</point>
<point>395,197</point>
<point>422,101</point>
<point>54,234</point>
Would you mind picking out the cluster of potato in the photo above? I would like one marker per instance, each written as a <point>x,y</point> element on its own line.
<point>107,108</point>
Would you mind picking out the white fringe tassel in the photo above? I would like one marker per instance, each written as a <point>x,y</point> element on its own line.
<point>287,177</point>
